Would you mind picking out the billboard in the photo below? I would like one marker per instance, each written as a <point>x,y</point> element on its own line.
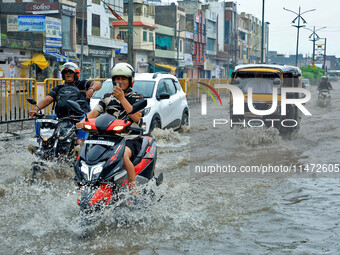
<point>53,32</point>
<point>25,23</point>
<point>31,23</point>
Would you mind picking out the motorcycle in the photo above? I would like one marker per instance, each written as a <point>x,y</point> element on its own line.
<point>99,168</point>
<point>324,97</point>
<point>57,138</point>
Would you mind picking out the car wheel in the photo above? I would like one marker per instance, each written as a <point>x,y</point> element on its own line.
<point>185,119</point>
<point>155,123</point>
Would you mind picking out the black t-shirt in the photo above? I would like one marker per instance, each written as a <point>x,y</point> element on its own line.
<point>83,86</point>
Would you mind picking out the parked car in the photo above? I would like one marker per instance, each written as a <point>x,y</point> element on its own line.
<point>167,103</point>
<point>306,84</point>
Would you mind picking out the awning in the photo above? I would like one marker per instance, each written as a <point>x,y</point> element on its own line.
<point>172,68</point>
<point>59,57</point>
<point>37,59</point>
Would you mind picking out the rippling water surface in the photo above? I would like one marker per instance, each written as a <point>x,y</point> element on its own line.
<point>198,214</point>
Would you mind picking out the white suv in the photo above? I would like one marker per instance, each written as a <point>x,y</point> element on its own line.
<point>167,103</point>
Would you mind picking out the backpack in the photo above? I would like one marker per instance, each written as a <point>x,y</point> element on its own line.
<point>68,92</point>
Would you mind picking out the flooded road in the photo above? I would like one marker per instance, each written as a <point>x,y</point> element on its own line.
<point>199,213</point>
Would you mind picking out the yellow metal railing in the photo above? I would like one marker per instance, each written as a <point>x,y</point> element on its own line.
<point>14,92</point>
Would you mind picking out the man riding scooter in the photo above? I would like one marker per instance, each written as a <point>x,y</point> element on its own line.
<point>324,84</point>
<point>119,103</point>
<point>72,89</point>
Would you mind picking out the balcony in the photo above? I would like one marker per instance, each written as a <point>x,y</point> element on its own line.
<point>166,54</point>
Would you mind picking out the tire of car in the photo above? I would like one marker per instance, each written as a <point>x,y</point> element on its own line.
<point>155,123</point>
<point>185,118</point>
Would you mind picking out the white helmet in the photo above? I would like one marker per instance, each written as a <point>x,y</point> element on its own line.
<point>123,69</point>
<point>69,66</point>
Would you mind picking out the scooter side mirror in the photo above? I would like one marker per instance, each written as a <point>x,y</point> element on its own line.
<point>75,106</point>
<point>138,106</point>
<point>31,101</point>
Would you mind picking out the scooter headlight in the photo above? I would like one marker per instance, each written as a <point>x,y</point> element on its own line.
<point>91,172</point>
<point>84,168</point>
<point>97,168</point>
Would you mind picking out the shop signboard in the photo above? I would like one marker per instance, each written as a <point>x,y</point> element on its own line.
<point>100,52</point>
<point>53,33</point>
<point>31,23</point>
<point>42,8</point>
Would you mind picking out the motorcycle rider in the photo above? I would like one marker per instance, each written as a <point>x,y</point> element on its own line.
<point>119,103</point>
<point>324,84</point>
<point>70,74</point>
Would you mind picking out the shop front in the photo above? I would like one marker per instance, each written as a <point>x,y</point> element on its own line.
<point>97,63</point>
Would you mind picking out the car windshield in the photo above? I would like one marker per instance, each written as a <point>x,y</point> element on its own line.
<point>106,88</point>
<point>145,88</point>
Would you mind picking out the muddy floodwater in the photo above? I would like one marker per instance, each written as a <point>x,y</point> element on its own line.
<point>205,213</point>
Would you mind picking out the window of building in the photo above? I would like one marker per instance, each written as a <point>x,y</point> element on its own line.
<point>66,30</point>
<point>150,36</point>
<point>112,29</point>
<point>145,36</point>
<point>123,35</point>
<point>96,1</point>
<point>163,42</point>
<point>95,25</point>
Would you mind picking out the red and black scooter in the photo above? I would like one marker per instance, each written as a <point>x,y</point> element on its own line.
<point>99,167</point>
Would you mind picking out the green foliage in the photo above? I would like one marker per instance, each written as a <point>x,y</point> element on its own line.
<point>309,72</point>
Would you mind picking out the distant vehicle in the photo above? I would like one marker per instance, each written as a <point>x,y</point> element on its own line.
<point>167,102</point>
<point>263,79</point>
<point>306,84</point>
<point>333,75</point>
<point>324,98</point>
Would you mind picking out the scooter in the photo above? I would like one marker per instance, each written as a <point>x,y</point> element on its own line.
<point>57,138</point>
<point>324,98</point>
<point>99,168</point>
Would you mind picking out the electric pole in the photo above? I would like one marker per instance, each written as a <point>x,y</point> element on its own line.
<point>130,32</point>
<point>262,38</point>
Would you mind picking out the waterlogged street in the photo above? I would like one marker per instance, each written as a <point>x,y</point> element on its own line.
<point>199,212</point>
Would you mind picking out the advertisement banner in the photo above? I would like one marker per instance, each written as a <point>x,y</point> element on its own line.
<point>31,23</point>
<point>12,23</point>
<point>53,32</point>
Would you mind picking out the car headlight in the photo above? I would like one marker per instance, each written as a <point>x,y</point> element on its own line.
<point>147,110</point>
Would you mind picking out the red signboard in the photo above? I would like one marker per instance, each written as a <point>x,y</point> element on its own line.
<point>42,8</point>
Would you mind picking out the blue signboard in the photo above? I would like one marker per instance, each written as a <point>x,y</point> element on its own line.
<point>31,23</point>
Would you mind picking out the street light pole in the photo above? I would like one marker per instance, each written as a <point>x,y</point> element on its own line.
<point>178,31</point>
<point>299,17</point>
<point>315,38</point>
<point>262,39</point>
<point>82,41</point>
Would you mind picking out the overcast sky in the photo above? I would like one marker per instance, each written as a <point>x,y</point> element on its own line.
<point>282,36</point>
